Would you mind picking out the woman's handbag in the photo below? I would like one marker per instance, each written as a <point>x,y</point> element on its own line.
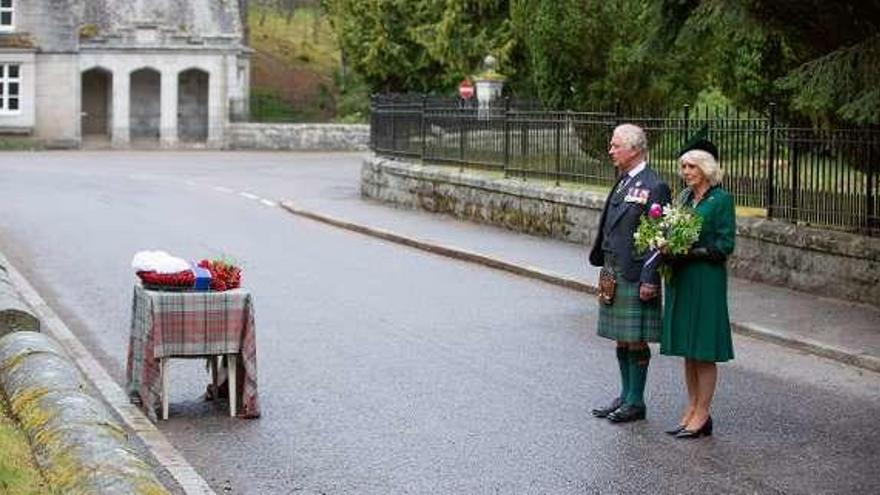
<point>607,285</point>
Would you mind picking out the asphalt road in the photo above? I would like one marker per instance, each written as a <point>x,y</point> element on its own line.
<point>387,370</point>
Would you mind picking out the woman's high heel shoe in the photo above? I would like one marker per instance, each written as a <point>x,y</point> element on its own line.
<point>705,430</point>
<point>675,430</point>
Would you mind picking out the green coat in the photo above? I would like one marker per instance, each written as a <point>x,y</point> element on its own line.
<point>696,324</point>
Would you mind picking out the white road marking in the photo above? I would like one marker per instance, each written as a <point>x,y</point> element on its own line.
<point>247,195</point>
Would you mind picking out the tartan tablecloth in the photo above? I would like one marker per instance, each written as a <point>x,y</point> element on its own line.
<point>190,324</point>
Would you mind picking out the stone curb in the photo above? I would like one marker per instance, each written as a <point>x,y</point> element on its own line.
<point>76,442</point>
<point>452,252</point>
<point>112,395</point>
<point>15,314</point>
<point>845,356</point>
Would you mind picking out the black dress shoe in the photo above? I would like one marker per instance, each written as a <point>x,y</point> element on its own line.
<point>601,412</point>
<point>705,430</point>
<point>627,413</point>
<point>675,430</point>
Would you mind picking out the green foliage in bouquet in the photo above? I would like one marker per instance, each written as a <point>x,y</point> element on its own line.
<point>672,230</point>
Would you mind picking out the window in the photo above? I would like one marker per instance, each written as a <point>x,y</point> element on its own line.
<point>10,88</point>
<point>7,15</point>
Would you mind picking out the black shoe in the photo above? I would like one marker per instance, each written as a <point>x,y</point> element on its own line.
<point>705,430</point>
<point>627,413</point>
<point>601,412</point>
<point>675,430</point>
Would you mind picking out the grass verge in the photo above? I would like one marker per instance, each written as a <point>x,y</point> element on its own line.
<point>19,144</point>
<point>18,473</point>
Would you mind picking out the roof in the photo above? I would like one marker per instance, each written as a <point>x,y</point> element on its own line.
<point>204,18</point>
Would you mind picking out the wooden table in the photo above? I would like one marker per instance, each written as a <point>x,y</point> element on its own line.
<point>167,324</point>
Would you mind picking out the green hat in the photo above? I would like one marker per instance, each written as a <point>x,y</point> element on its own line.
<point>700,141</point>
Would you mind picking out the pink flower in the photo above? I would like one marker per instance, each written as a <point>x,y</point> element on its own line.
<point>656,211</point>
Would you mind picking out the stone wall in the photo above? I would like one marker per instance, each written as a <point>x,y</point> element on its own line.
<point>298,137</point>
<point>50,24</point>
<point>56,100</point>
<point>820,261</point>
<point>823,262</point>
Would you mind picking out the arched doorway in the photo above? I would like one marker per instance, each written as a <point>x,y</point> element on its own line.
<point>97,104</point>
<point>192,105</point>
<point>145,105</point>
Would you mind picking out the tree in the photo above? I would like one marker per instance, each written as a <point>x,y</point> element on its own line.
<point>838,78</point>
<point>421,46</point>
<point>719,44</point>
<point>816,58</point>
<point>580,52</point>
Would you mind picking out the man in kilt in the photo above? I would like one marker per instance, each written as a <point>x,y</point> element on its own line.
<point>629,296</point>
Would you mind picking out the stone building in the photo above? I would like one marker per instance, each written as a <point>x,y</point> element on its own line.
<point>122,72</point>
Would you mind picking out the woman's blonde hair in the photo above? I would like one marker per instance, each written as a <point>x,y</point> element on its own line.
<point>706,163</point>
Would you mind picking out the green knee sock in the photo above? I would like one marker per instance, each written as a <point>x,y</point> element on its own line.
<point>638,376</point>
<point>623,362</point>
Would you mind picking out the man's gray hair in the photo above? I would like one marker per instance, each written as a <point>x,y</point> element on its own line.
<point>633,136</point>
<point>706,163</point>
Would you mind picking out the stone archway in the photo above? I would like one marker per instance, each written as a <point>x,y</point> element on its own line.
<point>192,105</point>
<point>97,103</point>
<point>145,105</point>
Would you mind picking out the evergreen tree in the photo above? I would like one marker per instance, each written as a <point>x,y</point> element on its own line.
<point>419,45</point>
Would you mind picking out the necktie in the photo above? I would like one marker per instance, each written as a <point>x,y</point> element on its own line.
<point>622,184</point>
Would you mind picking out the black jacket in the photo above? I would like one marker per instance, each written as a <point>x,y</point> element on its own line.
<point>622,212</point>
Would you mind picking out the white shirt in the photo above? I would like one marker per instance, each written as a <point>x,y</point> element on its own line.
<point>624,181</point>
<point>638,168</point>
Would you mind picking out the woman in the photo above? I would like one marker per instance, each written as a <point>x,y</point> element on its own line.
<point>695,319</point>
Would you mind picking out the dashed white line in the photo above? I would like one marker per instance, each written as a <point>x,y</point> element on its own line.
<point>245,194</point>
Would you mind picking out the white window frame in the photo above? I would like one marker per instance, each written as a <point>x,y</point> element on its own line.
<point>5,81</point>
<point>11,11</point>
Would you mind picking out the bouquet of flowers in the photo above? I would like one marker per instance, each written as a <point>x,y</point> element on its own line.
<point>224,275</point>
<point>670,230</point>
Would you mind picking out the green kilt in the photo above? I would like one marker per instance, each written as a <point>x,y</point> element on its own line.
<point>628,319</point>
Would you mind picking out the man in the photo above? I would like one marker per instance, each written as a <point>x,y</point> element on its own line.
<point>629,298</point>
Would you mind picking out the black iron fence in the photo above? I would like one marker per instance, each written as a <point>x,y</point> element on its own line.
<point>821,177</point>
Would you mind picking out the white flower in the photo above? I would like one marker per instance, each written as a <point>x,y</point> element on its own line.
<point>659,241</point>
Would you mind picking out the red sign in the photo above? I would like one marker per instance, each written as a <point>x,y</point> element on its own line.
<point>465,90</point>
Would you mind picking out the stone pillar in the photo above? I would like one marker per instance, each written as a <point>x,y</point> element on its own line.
<point>216,109</point>
<point>243,68</point>
<point>168,116</point>
<point>487,92</point>
<point>121,100</point>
